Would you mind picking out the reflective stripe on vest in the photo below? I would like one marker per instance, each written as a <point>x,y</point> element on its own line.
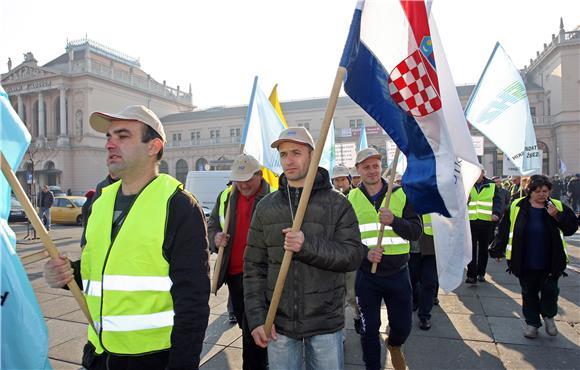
<point>127,284</point>
<point>514,212</point>
<point>481,204</point>
<point>369,224</point>
<point>427,228</point>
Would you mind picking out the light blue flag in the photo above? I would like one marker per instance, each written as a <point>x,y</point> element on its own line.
<point>363,144</point>
<point>24,336</point>
<point>328,156</point>
<point>499,109</point>
<point>262,128</point>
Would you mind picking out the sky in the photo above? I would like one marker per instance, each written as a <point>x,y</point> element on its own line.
<point>220,45</point>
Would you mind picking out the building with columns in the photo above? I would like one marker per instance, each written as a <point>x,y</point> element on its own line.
<point>55,100</point>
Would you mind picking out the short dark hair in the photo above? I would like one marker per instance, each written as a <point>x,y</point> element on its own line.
<point>538,181</point>
<point>150,134</point>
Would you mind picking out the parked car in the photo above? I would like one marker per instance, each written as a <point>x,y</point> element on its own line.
<point>67,210</point>
<point>56,191</point>
<point>206,212</point>
<point>16,211</point>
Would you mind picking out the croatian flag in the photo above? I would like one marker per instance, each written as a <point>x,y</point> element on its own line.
<point>397,72</point>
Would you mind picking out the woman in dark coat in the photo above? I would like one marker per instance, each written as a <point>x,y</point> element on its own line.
<point>532,237</point>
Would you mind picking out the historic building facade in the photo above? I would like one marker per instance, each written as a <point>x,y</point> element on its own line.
<point>55,100</point>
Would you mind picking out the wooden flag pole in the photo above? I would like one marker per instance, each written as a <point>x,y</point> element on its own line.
<point>218,262</point>
<point>308,183</point>
<point>39,227</point>
<point>387,202</point>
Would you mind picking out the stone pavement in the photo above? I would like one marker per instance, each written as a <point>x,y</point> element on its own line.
<point>475,327</point>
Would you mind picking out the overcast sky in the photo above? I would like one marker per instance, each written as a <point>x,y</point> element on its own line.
<point>219,45</point>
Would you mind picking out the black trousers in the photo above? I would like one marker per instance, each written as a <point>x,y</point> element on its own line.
<point>254,357</point>
<point>481,237</point>
<point>539,296</point>
<point>107,361</point>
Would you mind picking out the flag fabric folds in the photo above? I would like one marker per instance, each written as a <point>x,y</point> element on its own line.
<point>363,144</point>
<point>276,104</point>
<point>397,72</point>
<point>24,335</point>
<point>328,157</point>
<point>263,126</point>
<point>499,109</point>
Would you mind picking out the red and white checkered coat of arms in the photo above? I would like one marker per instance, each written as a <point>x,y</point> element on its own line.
<point>411,87</point>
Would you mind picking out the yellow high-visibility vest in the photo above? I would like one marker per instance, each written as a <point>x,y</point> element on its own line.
<point>369,225</point>
<point>126,281</point>
<point>481,204</point>
<point>514,211</point>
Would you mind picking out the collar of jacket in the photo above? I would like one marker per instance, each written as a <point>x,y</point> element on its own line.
<point>321,181</point>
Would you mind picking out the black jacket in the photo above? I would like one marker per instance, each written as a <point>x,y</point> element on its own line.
<point>566,223</point>
<point>45,200</point>
<point>312,301</point>
<point>214,226</point>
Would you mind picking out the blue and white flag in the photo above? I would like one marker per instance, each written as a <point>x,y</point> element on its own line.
<point>328,156</point>
<point>363,144</point>
<point>263,127</point>
<point>499,109</point>
<point>23,335</point>
<point>397,72</point>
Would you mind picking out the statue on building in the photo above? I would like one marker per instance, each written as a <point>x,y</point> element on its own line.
<point>9,64</point>
<point>29,58</point>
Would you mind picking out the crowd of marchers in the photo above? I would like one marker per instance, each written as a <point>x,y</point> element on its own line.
<point>144,268</point>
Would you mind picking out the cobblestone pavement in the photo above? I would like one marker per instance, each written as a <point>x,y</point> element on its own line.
<point>475,327</point>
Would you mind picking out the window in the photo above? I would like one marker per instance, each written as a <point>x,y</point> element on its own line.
<point>214,136</point>
<point>533,111</point>
<point>355,123</point>
<point>181,169</point>
<point>304,123</point>
<point>176,139</point>
<point>235,132</point>
<point>195,137</point>
<point>549,109</point>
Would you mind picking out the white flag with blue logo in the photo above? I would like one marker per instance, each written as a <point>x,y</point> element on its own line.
<point>328,156</point>
<point>499,109</point>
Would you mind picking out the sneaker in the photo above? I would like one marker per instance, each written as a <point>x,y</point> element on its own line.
<point>471,280</point>
<point>530,332</point>
<point>397,357</point>
<point>551,328</point>
<point>357,325</point>
<point>232,318</point>
<point>481,278</point>
<point>425,324</point>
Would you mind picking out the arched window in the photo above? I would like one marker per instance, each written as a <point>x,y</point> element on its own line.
<point>51,174</point>
<point>200,164</point>
<point>163,167</point>
<point>181,170</point>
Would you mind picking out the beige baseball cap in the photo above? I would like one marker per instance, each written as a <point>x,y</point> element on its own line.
<point>244,167</point>
<point>298,135</point>
<point>101,121</point>
<point>366,154</point>
<point>340,171</point>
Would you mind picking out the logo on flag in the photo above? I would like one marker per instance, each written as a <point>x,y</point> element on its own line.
<point>411,88</point>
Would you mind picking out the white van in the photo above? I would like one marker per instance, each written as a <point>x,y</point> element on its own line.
<point>207,185</point>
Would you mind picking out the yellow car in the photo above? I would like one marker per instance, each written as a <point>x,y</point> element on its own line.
<point>67,210</point>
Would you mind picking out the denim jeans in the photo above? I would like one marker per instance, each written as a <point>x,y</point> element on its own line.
<point>319,352</point>
<point>45,211</point>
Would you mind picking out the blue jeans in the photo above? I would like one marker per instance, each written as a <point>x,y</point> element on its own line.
<point>45,211</point>
<point>323,352</point>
